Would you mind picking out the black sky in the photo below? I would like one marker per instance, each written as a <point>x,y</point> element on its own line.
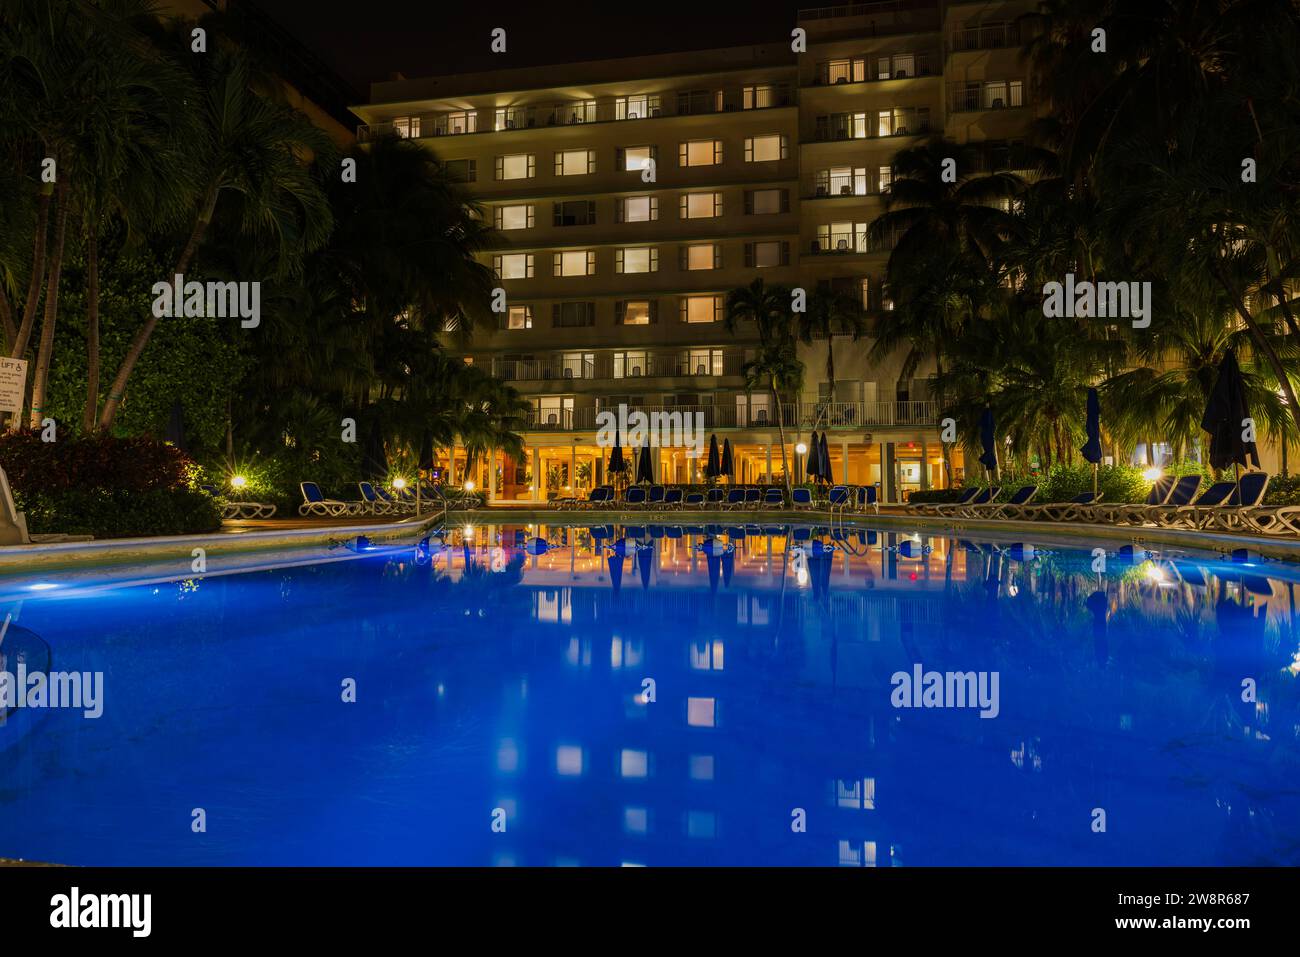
<point>365,41</point>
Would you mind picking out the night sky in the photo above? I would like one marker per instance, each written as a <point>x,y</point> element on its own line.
<point>366,41</point>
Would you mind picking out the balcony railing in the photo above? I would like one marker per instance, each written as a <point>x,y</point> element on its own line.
<point>987,36</point>
<point>801,415</point>
<point>1002,95</point>
<point>870,126</point>
<point>605,367</point>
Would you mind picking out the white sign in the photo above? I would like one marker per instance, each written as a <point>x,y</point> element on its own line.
<point>13,382</point>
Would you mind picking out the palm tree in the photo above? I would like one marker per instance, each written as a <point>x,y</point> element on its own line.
<point>777,366</point>
<point>250,148</point>
<point>831,313</point>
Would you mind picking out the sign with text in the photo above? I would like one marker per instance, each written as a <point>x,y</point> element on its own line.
<point>13,382</point>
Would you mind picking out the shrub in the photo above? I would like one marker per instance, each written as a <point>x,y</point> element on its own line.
<point>120,513</point>
<point>1283,490</point>
<point>1117,483</point>
<point>92,462</point>
<point>936,495</point>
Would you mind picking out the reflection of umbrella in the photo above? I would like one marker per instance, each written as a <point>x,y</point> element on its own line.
<point>644,559</point>
<point>1224,417</point>
<point>616,461</point>
<point>713,467</point>
<point>728,566</point>
<point>1099,605</point>
<point>644,472</point>
<point>715,567</point>
<point>175,433</point>
<point>988,444</point>
<point>1092,448</point>
<point>824,461</point>
<point>616,572</point>
<point>728,465</point>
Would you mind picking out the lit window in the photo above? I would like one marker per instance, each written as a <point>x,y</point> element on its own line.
<point>515,217</point>
<point>701,205</point>
<point>636,107</point>
<point>700,308</point>
<point>766,254</point>
<point>758,97</point>
<point>519,317</point>
<point>407,127</point>
<point>636,259</point>
<point>700,153</point>
<point>638,209</point>
<point>636,312</point>
<point>765,149</point>
<point>578,262</point>
<point>575,162</point>
<point>465,121</point>
<point>701,256</point>
<point>514,266</point>
<point>517,166</point>
<point>637,158</point>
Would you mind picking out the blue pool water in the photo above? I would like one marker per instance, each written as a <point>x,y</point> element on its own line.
<point>496,685</point>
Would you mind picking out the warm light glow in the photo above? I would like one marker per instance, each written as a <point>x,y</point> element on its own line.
<point>399,483</point>
<point>238,481</point>
<point>1153,474</point>
<point>801,449</point>
<point>469,532</point>
<point>469,485</point>
<point>1156,574</point>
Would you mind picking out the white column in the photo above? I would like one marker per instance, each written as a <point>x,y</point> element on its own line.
<point>536,492</point>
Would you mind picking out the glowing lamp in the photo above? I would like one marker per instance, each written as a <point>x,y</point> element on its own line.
<point>238,481</point>
<point>1152,474</point>
<point>801,449</point>
<point>399,483</point>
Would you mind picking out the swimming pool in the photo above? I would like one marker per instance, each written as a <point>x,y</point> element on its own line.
<point>664,706</point>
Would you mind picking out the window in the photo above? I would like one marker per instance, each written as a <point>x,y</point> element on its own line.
<point>843,126</point>
<point>699,101</point>
<point>554,410</point>
<point>635,158</point>
<point>515,217</point>
<point>700,308</point>
<point>844,71</point>
<point>842,237</point>
<point>464,121</point>
<point>885,178</point>
<point>464,171</point>
<point>636,312</point>
<point>513,117</point>
<point>767,253</point>
<point>579,111</point>
<point>636,259</point>
<point>513,266</point>
<point>766,202</point>
<point>901,122</point>
<point>407,127</point>
<point>578,262</point>
<point>761,97</point>
<point>1002,93</point>
<point>578,365</point>
<point>701,256</point>
<point>903,65</point>
<point>571,314</point>
<point>842,181</point>
<point>630,364</point>
<point>765,149</point>
<point>518,317</point>
<point>700,153</point>
<point>575,212</point>
<point>701,205</point>
<point>575,162</point>
<point>517,166</point>
<point>637,209</point>
<point>704,362</point>
<point>636,107</point>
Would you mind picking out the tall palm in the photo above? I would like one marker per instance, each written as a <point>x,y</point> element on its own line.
<point>251,150</point>
<point>831,313</point>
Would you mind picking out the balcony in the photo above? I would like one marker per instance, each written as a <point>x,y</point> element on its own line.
<point>884,68</point>
<point>986,36</point>
<point>990,95</point>
<point>855,127</point>
<point>608,367</point>
<point>803,415</point>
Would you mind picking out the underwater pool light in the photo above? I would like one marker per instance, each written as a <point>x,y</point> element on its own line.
<point>42,586</point>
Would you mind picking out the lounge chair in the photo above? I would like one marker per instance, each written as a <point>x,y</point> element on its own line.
<point>839,496</point>
<point>635,496</point>
<point>693,500</point>
<point>715,497</point>
<point>753,497</point>
<point>1171,516</point>
<point>314,502</point>
<point>373,503</point>
<point>866,497</point>
<point>982,496</point>
<point>801,497</point>
<point>1011,508</point>
<point>239,511</point>
<point>1236,513</point>
<point>656,495</point>
<point>774,498</point>
<point>735,498</point>
<point>599,495</point>
<point>1061,511</point>
<point>1114,512</point>
<point>1183,492</point>
<point>967,497</point>
<point>673,498</point>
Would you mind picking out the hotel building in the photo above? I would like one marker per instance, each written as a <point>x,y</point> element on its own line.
<point>632,194</point>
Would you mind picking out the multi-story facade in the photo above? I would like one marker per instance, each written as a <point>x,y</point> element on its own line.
<point>631,195</point>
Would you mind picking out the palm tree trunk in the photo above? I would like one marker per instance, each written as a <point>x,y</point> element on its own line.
<point>118,389</point>
<point>1261,341</point>
<point>947,448</point>
<point>780,428</point>
<point>92,328</point>
<point>37,277</point>
<point>7,321</point>
<point>41,380</point>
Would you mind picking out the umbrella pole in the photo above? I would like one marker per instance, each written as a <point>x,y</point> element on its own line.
<point>1094,477</point>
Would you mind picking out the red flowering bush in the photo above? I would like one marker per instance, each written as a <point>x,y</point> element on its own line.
<point>92,462</point>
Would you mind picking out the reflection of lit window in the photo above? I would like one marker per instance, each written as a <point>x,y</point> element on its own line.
<point>706,655</point>
<point>624,652</point>
<point>568,760</point>
<point>633,764</point>
<point>701,767</point>
<point>507,756</point>
<point>856,794</point>
<point>701,825</point>
<point>554,606</point>
<point>636,820</point>
<point>851,856</point>
<point>700,712</point>
<point>578,652</point>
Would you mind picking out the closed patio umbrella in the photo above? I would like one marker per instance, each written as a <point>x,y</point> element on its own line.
<point>713,465</point>
<point>617,463</point>
<point>988,443</point>
<point>1092,448</point>
<point>824,461</point>
<point>728,464</point>
<point>644,471</point>
<point>1223,418</point>
<point>814,454</point>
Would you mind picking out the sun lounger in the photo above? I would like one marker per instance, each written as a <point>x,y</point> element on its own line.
<point>1235,514</point>
<point>774,498</point>
<point>1173,516</point>
<point>636,495</point>
<point>239,511</point>
<point>673,498</point>
<point>315,503</point>
<point>967,497</point>
<point>1061,511</point>
<point>801,497</point>
<point>982,496</point>
<point>1115,511</point>
<point>1011,508</point>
